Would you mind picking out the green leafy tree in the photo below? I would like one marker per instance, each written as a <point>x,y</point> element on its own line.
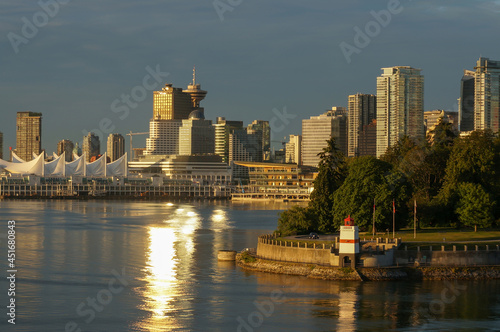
<point>370,180</point>
<point>296,220</point>
<point>475,206</point>
<point>330,177</point>
<point>473,159</point>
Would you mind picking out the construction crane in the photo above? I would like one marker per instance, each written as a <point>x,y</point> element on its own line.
<point>131,134</point>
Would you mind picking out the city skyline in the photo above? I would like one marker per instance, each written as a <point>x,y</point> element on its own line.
<point>102,54</point>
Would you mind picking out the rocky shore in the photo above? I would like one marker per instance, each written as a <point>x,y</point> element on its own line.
<point>369,274</point>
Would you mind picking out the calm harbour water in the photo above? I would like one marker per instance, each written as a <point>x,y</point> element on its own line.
<point>152,266</point>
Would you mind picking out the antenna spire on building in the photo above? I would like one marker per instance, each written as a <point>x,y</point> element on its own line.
<point>194,75</point>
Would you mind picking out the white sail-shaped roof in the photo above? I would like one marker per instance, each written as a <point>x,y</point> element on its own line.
<point>56,166</point>
<point>16,158</point>
<point>59,166</point>
<point>118,167</point>
<point>97,168</point>
<point>54,155</point>
<point>31,167</point>
<point>76,167</point>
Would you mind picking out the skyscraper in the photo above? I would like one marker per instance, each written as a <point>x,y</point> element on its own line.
<point>466,102</point>
<point>1,145</point>
<point>28,135</point>
<point>317,130</point>
<point>66,146</point>
<point>91,146</point>
<point>262,129</point>
<point>362,110</point>
<point>400,106</point>
<point>196,135</point>
<point>293,149</point>
<point>171,106</point>
<point>176,104</point>
<point>116,146</point>
<point>487,95</point>
<point>163,137</point>
<point>223,128</point>
<point>244,147</point>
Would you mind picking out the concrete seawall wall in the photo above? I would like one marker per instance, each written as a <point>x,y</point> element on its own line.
<point>294,254</point>
<point>448,258</point>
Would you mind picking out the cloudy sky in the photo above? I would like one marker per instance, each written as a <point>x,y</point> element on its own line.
<point>257,59</point>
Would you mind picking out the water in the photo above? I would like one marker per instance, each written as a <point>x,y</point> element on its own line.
<point>150,266</point>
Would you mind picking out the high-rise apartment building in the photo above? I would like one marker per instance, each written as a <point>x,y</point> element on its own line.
<point>244,147</point>
<point>28,135</point>
<point>262,129</point>
<point>466,102</point>
<point>91,146</point>
<point>487,95</point>
<point>362,110</point>
<point>115,146</point>
<point>163,137</point>
<point>317,130</point>
<point>196,135</point>
<point>67,147</point>
<point>293,149</point>
<point>368,140</point>
<point>400,106</point>
<point>1,145</point>
<point>223,128</point>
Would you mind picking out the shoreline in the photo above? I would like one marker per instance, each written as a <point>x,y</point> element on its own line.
<point>371,274</point>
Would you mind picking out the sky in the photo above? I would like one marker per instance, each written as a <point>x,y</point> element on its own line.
<point>280,60</point>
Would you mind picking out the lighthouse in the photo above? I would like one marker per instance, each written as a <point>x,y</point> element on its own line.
<point>349,243</point>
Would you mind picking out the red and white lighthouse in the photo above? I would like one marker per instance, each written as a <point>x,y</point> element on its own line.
<point>349,243</point>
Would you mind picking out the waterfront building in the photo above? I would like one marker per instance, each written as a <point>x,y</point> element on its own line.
<point>400,106</point>
<point>201,168</point>
<point>222,129</point>
<point>28,135</point>
<point>115,146</point>
<point>196,135</point>
<point>276,181</point>
<point>466,101</point>
<point>317,130</point>
<point>487,95</point>
<point>65,146</point>
<point>263,131</point>
<point>362,111</point>
<point>293,149</point>
<point>91,146</point>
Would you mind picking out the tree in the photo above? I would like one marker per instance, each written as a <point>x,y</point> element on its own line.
<point>473,159</point>
<point>296,220</point>
<point>368,180</point>
<point>330,176</point>
<point>475,206</point>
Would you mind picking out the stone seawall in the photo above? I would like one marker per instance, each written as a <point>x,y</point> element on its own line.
<point>370,274</point>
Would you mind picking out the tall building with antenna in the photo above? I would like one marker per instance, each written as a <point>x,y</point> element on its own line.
<point>171,105</point>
